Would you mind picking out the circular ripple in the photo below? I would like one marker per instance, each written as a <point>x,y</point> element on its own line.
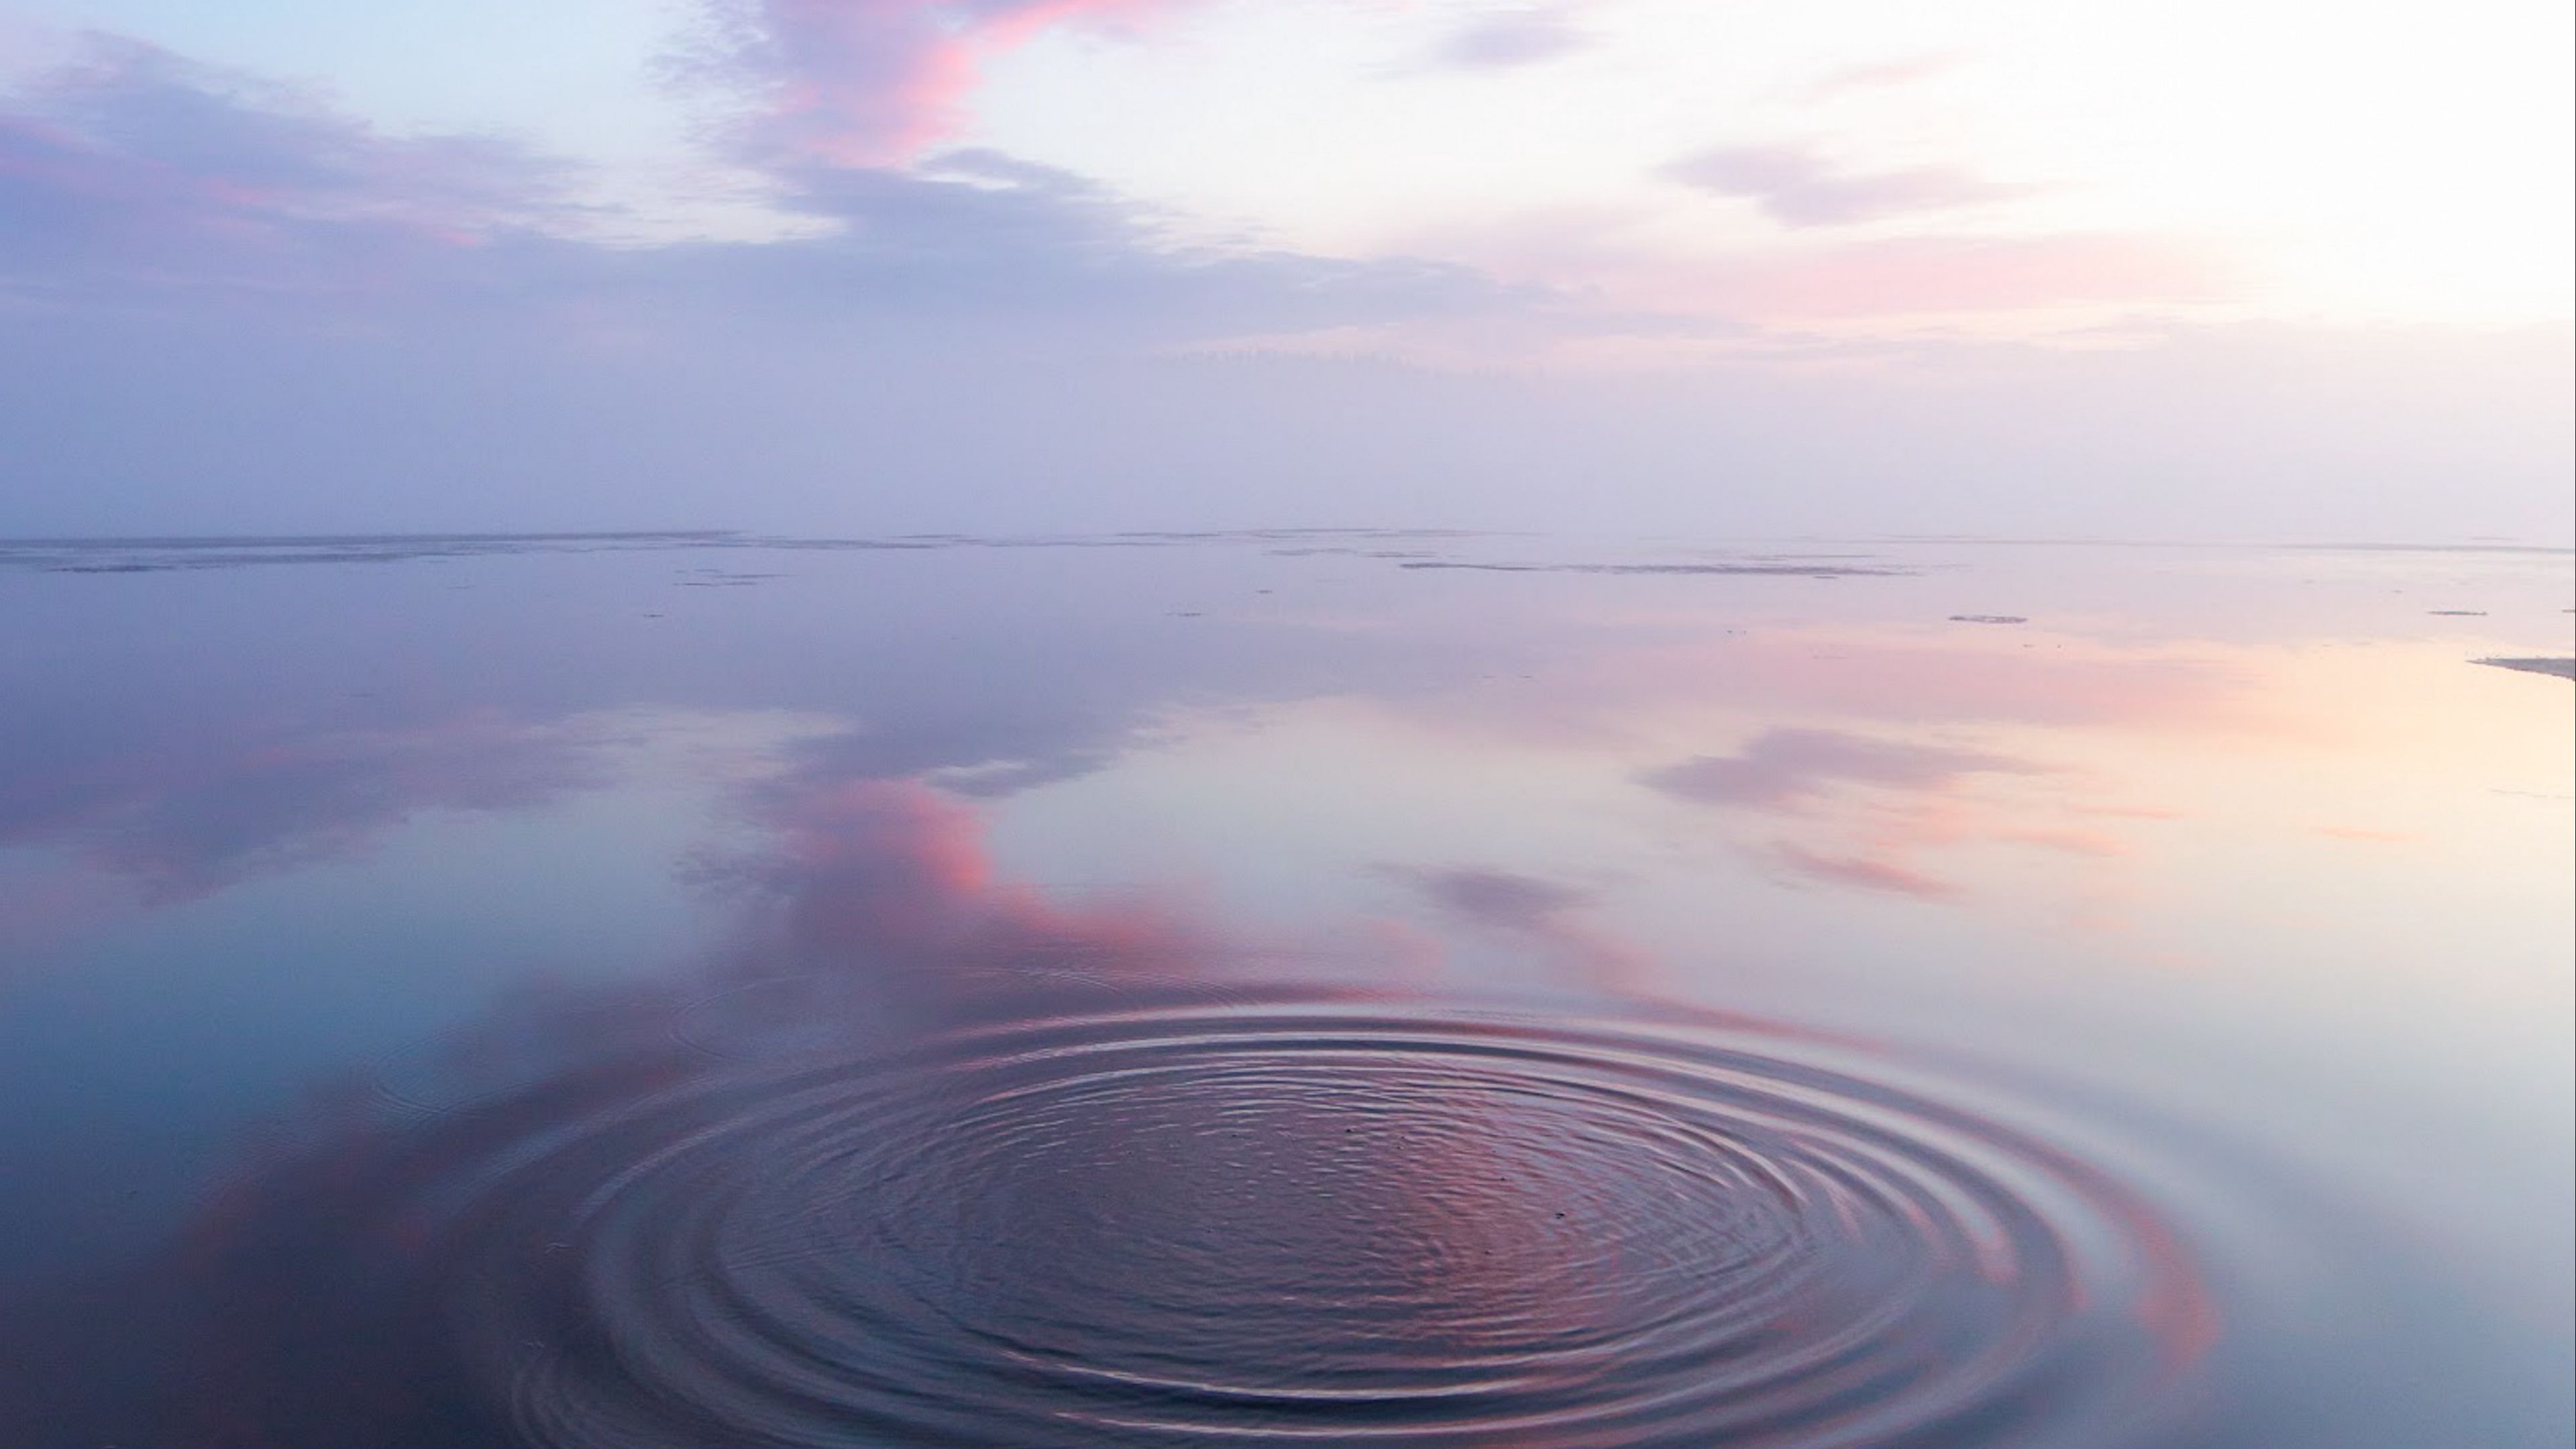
<point>1308,1223</point>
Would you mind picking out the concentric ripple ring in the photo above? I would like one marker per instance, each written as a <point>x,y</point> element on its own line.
<point>1307,1223</point>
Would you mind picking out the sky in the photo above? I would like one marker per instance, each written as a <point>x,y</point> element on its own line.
<point>2266,269</point>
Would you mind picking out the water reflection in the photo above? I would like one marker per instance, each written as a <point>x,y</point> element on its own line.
<point>1189,991</point>
<point>889,885</point>
<point>1558,920</point>
<point>920,1157</point>
<point>1380,1222</point>
<point>217,806</point>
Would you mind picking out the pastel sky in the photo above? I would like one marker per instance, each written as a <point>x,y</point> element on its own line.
<point>2261,268</point>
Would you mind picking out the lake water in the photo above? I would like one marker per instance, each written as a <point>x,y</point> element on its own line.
<point>1304,987</point>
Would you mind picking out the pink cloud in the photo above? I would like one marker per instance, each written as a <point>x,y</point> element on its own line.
<point>893,876</point>
<point>1783,768</point>
<point>1866,872</point>
<point>1873,807</point>
<point>131,160</point>
<point>2092,843</point>
<point>1882,684</point>
<point>182,820</point>
<point>1547,914</point>
<point>1920,679</point>
<point>2127,812</point>
<point>872,82</point>
<point>1879,851</point>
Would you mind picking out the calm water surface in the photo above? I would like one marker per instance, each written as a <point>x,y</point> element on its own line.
<point>1295,988</point>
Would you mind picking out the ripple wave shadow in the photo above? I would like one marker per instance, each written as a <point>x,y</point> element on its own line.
<point>1297,1222</point>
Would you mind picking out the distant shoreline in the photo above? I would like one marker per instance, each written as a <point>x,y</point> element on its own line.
<point>2563,668</point>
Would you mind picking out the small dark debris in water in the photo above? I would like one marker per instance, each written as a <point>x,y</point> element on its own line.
<point>2459,613</point>
<point>1185,613</point>
<point>1988,619</point>
<point>2563,668</point>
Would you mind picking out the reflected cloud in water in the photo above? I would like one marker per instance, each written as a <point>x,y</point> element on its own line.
<point>1784,768</point>
<point>181,823</point>
<point>1184,990</point>
<point>1865,872</point>
<point>886,888</point>
<point>1560,921</point>
<point>892,1171</point>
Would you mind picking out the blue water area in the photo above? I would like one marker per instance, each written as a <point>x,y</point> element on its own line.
<point>1288,986</point>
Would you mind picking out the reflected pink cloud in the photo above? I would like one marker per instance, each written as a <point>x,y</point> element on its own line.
<point>1866,681</point>
<point>1878,805</point>
<point>1549,915</point>
<point>1782,769</point>
<point>1947,817</point>
<point>892,880</point>
<point>1636,1214</point>
<point>1895,677</point>
<point>186,819</point>
<point>1878,802</point>
<point>1863,872</point>
<point>1882,851</point>
<point>595,1187</point>
<point>1498,898</point>
<point>2091,843</point>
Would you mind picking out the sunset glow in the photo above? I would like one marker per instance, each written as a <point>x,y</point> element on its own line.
<point>1713,200</point>
<point>1373,724</point>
